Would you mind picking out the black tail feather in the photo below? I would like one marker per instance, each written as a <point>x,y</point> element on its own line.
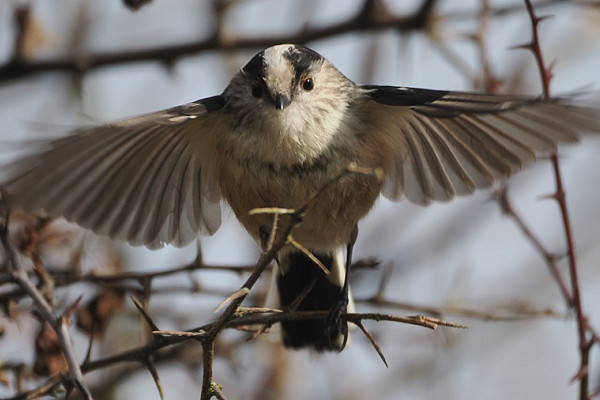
<point>305,287</point>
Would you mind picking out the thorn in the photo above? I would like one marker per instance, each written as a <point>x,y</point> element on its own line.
<point>580,374</point>
<point>549,196</point>
<point>473,37</point>
<point>300,298</point>
<point>69,312</point>
<point>524,46</point>
<point>441,322</point>
<point>549,71</point>
<point>88,353</point>
<point>140,308</point>
<point>234,296</point>
<point>152,369</point>
<point>539,19</point>
<point>308,254</point>
<point>373,342</point>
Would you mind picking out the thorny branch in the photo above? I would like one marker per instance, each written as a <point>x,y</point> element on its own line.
<point>587,336</point>
<point>165,339</point>
<point>120,279</point>
<point>59,323</point>
<point>209,387</point>
<point>372,17</point>
<point>232,317</point>
<point>585,343</point>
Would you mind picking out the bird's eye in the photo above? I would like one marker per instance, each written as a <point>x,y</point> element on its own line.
<point>308,84</point>
<point>256,90</point>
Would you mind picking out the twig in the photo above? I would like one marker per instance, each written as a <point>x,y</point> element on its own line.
<point>369,18</point>
<point>270,318</point>
<point>51,384</point>
<point>164,339</point>
<point>585,344</point>
<point>18,68</point>
<point>62,278</point>
<point>261,318</point>
<point>209,387</point>
<point>58,323</point>
<point>484,315</point>
<point>504,10</point>
<point>208,342</point>
<point>375,21</point>
<point>550,258</point>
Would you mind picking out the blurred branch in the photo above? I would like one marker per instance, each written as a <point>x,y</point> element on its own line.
<point>515,313</point>
<point>209,387</point>
<point>500,11</point>
<point>372,17</point>
<point>585,343</point>
<point>68,277</point>
<point>43,389</point>
<point>164,339</point>
<point>64,278</point>
<point>22,19</point>
<point>550,258</point>
<point>586,334</point>
<point>232,316</point>
<point>60,323</point>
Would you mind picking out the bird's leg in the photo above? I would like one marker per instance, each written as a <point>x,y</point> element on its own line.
<point>334,323</point>
<point>349,247</point>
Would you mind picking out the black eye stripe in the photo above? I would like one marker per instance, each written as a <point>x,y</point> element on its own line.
<point>302,59</point>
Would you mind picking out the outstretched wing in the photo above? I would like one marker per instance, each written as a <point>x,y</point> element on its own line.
<point>147,180</point>
<point>440,144</point>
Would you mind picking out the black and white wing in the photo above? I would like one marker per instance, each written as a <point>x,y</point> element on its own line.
<point>147,180</point>
<point>442,144</point>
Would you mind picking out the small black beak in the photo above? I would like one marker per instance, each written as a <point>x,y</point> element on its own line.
<point>280,101</point>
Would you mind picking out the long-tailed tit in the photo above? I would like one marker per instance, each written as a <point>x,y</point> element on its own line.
<point>286,124</point>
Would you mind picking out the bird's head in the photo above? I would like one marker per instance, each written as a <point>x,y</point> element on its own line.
<point>292,96</point>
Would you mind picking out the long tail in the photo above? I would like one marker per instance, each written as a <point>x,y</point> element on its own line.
<point>302,286</point>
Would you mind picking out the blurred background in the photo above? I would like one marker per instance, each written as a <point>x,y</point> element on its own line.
<point>68,63</point>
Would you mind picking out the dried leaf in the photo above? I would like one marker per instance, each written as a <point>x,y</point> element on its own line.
<point>49,355</point>
<point>96,314</point>
<point>33,36</point>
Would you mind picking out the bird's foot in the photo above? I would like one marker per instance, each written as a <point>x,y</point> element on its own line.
<point>335,326</point>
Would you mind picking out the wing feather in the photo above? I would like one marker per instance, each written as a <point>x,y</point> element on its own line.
<point>427,164</point>
<point>451,143</point>
<point>139,180</point>
<point>450,157</point>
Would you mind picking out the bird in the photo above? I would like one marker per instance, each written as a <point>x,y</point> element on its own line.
<point>286,124</point>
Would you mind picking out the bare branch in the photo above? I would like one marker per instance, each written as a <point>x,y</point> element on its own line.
<point>58,323</point>
<point>550,258</point>
<point>363,21</point>
<point>585,343</point>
